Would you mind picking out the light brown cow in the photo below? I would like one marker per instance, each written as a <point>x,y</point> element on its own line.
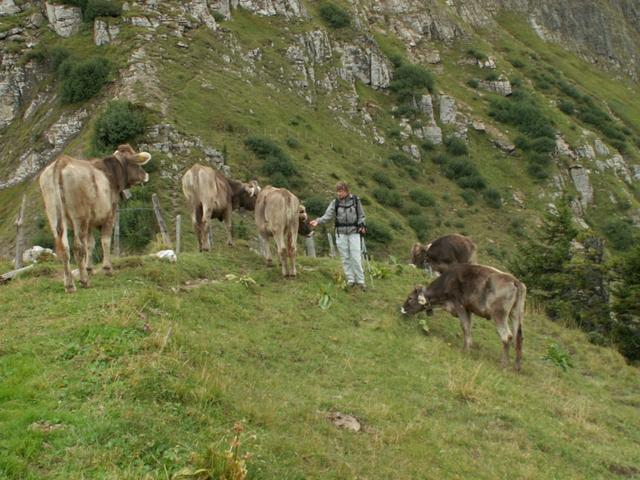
<point>464,289</point>
<point>444,252</point>
<point>212,195</point>
<point>83,194</point>
<point>280,215</point>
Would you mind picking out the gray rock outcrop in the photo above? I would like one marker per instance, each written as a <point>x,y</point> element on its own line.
<point>104,32</point>
<point>501,87</point>
<point>365,64</point>
<point>448,109</point>
<point>64,19</point>
<point>580,178</point>
<point>8,7</point>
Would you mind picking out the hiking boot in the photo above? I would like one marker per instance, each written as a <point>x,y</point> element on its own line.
<point>350,285</point>
<point>362,287</point>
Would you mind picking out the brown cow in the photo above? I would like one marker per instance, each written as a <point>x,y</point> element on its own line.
<point>212,195</point>
<point>280,215</point>
<point>464,289</point>
<point>83,194</point>
<point>444,252</point>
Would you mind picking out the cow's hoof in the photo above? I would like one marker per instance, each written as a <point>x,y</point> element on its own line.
<point>84,284</point>
<point>108,271</point>
<point>70,289</point>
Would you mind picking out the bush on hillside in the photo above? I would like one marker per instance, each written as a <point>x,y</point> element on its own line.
<point>278,166</point>
<point>456,146</point>
<point>478,55</point>
<point>626,304</point>
<point>334,15</point>
<point>422,198</point>
<point>492,197</point>
<point>315,205</point>
<point>473,83</point>
<point>378,232</point>
<point>101,8</point>
<point>383,179</point>
<point>469,196</point>
<point>410,81</point>
<point>491,77</point>
<point>120,123</point>
<point>620,234</point>
<point>81,80</point>
<point>387,197</point>
<point>567,106</point>
<point>421,225</point>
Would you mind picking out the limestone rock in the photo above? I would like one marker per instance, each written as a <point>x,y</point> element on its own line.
<point>580,178</point>
<point>501,87</point>
<point>433,134</point>
<point>618,165</point>
<point>8,7</point>
<point>563,148</point>
<point>365,64</point>
<point>104,32</point>
<point>448,109</point>
<point>64,19</point>
<point>601,148</point>
<point>586,151</point>
<point>270,8</point>
<point>425,106</point>
<point>16,83</point>
<point>200,10</point>
<point>412,150</point>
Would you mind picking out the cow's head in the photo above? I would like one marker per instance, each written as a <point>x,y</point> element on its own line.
<point>419,255</point>
<point>247,195</point>
<point>304,228</point>
<point>132,163</point>
<point>416,302</point>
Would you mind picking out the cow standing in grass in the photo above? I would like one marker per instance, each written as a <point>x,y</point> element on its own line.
<point>465,289</point>
<point>444,252</point>
<point>280,215</point>
<point>84,194</point>
<point>212,195</point>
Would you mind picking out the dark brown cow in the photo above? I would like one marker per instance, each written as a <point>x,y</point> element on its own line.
<point>212,195</point>
<point>444,252</point>
<point>464,289</point>
<point>83,194</point>
<point>280,215</point>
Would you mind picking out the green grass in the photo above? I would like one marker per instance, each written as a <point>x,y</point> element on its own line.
<point>141,372</point>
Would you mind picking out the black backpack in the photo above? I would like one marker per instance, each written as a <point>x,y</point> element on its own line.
<point>362,229</point>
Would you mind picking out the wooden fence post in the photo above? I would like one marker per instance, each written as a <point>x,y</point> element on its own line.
<point>178,232</point>
<point>116,234</point>
<point>163,226</point>
<point>310,246</point>
<point>332,249</point>
<point>20,232</point>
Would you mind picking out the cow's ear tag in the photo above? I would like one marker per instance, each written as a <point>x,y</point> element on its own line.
<point>422,300</point>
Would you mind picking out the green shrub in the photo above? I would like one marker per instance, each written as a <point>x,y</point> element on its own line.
<point>120,123</point>
<point>456,146</point>
<point>422,198</point>
<point>101,8</point>
<point>421,225</point>
<point>428,146</point>
<point>365,200</point>
<point>280,164</point>
<point>516,82</point>
<point>569,89</point>
<point>292,142</point>
<point>277,165</point>
<point>315,205</point>
<point>517,63</point>
<point>469,196</point>
<point>137,221</point>
<point>378,232</point>
<point>459,167</point>
<point>567,106</point>
<point>82,80</point>
<point>491,77</point>
<point>440,159</point>
<point>388,197</point>
<point>410,80</point>
<point>472,52</point>
<point>334,15</point>
<point>473,83</point>
<point>492,197</point>
<point>619,233</point>
<point>474,182</point>
<point>400,159</point>
<point>405,110</point>
<point>383,179</point>
<point>218,16</point>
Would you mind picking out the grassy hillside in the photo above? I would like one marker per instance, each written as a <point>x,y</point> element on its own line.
<point>146,373</point>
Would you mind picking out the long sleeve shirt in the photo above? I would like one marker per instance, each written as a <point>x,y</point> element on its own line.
<point>350,214</point>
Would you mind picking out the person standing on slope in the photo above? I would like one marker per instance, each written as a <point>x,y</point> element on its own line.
<point>349,217</point>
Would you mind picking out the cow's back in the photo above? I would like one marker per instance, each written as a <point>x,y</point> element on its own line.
<point>277,211</point>
<point>77,190</point>
<point>451,249</point>
<point>204,185</point>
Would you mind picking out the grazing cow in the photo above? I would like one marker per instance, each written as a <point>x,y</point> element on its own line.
<point>280,215</point>
<point>444,252</point>
<point>464,289</point>
<point>212,195</point>
<point>83,194</point>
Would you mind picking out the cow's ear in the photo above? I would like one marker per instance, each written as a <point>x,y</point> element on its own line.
<point>142,158</point>
<point>422,300</point>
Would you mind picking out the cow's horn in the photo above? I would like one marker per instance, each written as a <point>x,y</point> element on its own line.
<point>422,300</point>
<point>143,157</point>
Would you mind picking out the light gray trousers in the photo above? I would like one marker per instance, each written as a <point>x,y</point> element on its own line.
<point>350,250</point>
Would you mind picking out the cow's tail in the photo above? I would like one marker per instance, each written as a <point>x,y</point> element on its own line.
<point>517,317</point>
<point>199,213</point>
<point>51,186</point>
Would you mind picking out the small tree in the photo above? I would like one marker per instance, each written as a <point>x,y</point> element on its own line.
<point>626,304</point>
<point>119,123</point>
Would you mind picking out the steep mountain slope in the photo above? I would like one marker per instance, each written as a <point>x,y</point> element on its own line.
<point>325,95</point>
